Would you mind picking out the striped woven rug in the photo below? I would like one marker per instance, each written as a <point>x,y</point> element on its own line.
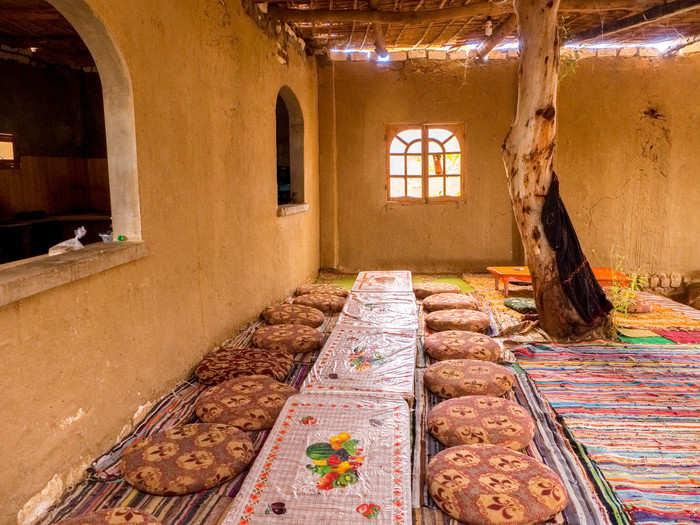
<point>636,410</point>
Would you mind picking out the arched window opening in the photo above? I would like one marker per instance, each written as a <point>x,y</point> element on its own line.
<point>290,148</point>
<point>66,124</point>
<point>425,163</point>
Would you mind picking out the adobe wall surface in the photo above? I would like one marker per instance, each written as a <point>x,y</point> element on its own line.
<point>79,360</point>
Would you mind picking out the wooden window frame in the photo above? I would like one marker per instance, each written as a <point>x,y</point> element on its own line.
<point>14,162</point>
<point>392,130</point>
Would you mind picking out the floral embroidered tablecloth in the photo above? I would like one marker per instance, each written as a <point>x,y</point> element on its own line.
<point>392,311</point>
<point>383,281</point>
<point>331,458</point>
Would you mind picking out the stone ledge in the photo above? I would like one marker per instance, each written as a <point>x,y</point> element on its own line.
<point>24,278</point>
<point>291,209</point>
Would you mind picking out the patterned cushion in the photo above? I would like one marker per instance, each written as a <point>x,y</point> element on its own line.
<point>460,344</point>
<point>249,403</point>
<point>639,306</point>
<point>332,289</point>
<point>449,301</point>
<point>423,290</point>
<point>186,459</point>
<point>523,305</point>
<point>288,337</point>
<point>458,320</point>
<point>481,419</point>
<point>465,377</point>
<point>293,314</point>
<point>226,363</point>
<point>489,485</point>
<point>325,302</point>
<point>120,516</point>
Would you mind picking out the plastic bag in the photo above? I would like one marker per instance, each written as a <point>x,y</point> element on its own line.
<point>69,245</point>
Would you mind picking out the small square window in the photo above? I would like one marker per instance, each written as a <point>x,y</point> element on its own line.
<point>8,151</point>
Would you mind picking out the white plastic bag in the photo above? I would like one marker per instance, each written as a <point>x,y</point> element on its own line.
<point>69,245</point>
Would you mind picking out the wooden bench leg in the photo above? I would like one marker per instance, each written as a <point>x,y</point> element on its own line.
<point>496,279</point>
<point>505,288</point>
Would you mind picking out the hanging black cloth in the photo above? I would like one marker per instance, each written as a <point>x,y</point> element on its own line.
<point>577,279</point>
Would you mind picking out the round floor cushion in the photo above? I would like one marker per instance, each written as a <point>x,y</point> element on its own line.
<point>293,314</point>
<point>490,485</point>
<point>449,301</point>
<point>120,516</point>
<point>471,420</point>
<point>461,344</point>
<point>462,319</point>
<point>466,377</point>
<point>186,459</point>
<point>228,363</point>
<point>423,290</point>
<point>639,306</point>
<point>288,337</point>
<point>325,302</point>
<point>332,289</point>
<point>249,403</point>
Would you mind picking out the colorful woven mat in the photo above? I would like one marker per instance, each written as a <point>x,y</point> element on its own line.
<point>681,336</point>
<point>665,314</point>
<point>636,410</point>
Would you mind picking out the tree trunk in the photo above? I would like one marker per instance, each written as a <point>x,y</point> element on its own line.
<point>570,302</point>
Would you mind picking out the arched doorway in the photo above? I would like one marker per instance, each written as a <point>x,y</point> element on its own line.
<point>290,148</point>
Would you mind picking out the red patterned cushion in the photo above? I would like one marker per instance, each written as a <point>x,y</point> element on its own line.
<point>227,363</point>
<point>481,419</point>
<point>460,344</point>
<point>120,516</point>
<point>186,459</point>
<point>248,403</point>
<point>493,485</point>
<point>325,302</point>
<point>293,314</point>
<point>288,337</point>
<point>465,377</point>
<point>471,320</point>
<point>332,289</point>
<point>423,290</point>
<point>449,301</point>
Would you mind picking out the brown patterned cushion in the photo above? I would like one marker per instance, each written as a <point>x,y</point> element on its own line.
<point>481,419</point>
<point>458,320</point>
<point>460,344</point>
<point>249,403</point>
<point>325,302</point>
<point>639,306</point>
<point>226,363</point>
<point>449,301</point>
<point>493,485</point>
<point>465,377</point>
<point>186,459</point>
<point>291,338</point>
<point>293,314</point>
<point>332,289</point>
<point>423,290</point>
<point>120,516</point>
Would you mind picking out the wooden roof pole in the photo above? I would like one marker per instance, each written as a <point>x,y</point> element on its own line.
<point>500,34</point>
<point>650,16</point>
<point>528,156</point>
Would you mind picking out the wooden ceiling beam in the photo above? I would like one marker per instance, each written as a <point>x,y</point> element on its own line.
<point>509,25</point>
<point>650,16</point>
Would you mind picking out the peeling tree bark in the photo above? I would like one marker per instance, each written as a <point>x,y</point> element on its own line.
<point>528,155</point>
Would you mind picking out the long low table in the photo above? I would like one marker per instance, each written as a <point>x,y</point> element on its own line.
<point>507,274</point>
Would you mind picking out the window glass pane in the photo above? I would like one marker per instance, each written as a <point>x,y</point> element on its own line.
<point>414,165</point>
<point>438,133</point>
<point>396,165</point>
<point>415,187</point>
<point>409,135</point>
<point>397,187</point>
<point>414,148</point>
<point>452,145</point>
<point>435,188</point>
<point>434,147</point>
<point>436,164</point>
<point>397,146</point>
<point>453,186</point>
<point>453,164</point>
<point>7,151</point>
